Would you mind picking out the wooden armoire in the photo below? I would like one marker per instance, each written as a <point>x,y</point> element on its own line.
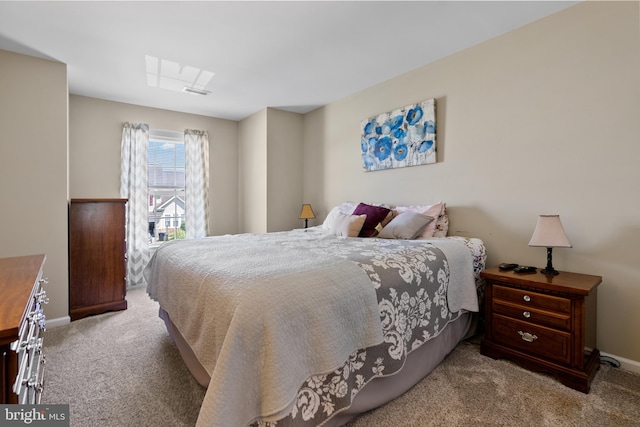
<point>97,256</point>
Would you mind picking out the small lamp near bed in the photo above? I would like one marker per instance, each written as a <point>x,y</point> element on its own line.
<point>550,234</point>
<point>307,213</point>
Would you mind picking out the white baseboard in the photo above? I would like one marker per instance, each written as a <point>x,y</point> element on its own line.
<point>60,321</point>
<point>626,364</point>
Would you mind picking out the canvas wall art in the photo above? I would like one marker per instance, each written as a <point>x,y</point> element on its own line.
<point>399,138</point>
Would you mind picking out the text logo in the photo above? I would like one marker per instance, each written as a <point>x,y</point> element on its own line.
<point>34,415</point>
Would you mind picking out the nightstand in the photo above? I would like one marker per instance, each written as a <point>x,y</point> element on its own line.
<point>544,323</point>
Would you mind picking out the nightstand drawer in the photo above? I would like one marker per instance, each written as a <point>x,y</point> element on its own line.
<point>532,339</point>
<point>544,322</point>
<point>552,319</point>
<point>532,299</point>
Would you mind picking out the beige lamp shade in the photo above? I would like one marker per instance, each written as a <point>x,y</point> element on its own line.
<point>549,233</point>
<point>307,212</point>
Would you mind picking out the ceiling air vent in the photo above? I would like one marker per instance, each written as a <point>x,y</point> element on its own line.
<point>195,91</point>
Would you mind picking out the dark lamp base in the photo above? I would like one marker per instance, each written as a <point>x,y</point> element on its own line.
<point>549,270</point>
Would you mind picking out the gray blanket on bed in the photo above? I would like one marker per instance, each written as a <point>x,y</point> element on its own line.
<point>461,271</point>
<point>263,305</point>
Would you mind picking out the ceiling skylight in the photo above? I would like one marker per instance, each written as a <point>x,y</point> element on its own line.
<point>171,75</point>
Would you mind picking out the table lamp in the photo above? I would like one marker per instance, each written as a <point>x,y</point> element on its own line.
<point>550,234</point>
<point>307,213</point>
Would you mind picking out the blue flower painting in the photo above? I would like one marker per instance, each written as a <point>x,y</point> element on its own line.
<point>402,137</point>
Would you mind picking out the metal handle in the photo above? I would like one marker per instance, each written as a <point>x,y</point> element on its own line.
<point>526,314</point>
<point>526,336</point>
<point>527,298</point>
<point>17,386</point>
<point>41,297</point>
<point>40,319</point>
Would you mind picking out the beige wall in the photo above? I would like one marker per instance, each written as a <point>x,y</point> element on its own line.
<point>95,132</point>
<point>252,178</point>
<point>33,167</point>
<point>270,171</point>
<point>541,120</point>
<point>284,185</point>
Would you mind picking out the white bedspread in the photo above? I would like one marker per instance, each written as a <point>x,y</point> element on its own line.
<point>338,301</point>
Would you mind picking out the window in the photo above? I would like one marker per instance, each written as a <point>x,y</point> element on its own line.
<point>166,186</point>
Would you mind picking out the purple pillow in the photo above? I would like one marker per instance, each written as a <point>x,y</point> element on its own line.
<point>375,215</point>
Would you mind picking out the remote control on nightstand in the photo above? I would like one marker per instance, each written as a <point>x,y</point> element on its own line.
<point>524,269</point>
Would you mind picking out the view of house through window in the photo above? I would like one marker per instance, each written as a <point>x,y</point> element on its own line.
<point>166,186</point>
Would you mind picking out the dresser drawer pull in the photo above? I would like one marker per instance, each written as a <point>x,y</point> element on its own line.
<point>527,314</point>
<point>20,379</point>
<point>527,298</point>
<point>526,336</point>
<point>41,297</point>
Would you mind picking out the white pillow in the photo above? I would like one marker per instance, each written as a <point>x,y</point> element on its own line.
<point>331,218</point>
<point>345,208</point>
<point>347,225</point>
<point>406,225</point>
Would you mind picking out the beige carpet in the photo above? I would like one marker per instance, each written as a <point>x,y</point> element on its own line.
<point>121,369</point>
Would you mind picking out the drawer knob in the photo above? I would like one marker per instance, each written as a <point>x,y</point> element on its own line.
<point>526,314</point>
<point>526,336</point>
<point>527,298</point>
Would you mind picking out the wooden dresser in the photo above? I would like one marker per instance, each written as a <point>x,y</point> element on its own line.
<point>545,323</point>
<point>97,256</point>
<point>21,324</point>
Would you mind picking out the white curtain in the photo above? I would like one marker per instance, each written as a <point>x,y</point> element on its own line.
<point>133,186</point>
<point>196,152</point>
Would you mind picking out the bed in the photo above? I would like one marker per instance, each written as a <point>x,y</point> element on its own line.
<point>311,327</point>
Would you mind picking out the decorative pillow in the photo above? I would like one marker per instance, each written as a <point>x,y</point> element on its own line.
<point>442,224</point>
<point>347,225</point>
<point>375,215</point>
<point>407,225</point>
<point>391,215</point>
<point>434,211</point>
<point>345,208</point>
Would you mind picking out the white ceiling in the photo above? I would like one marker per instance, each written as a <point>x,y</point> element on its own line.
<point>293,55</point>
